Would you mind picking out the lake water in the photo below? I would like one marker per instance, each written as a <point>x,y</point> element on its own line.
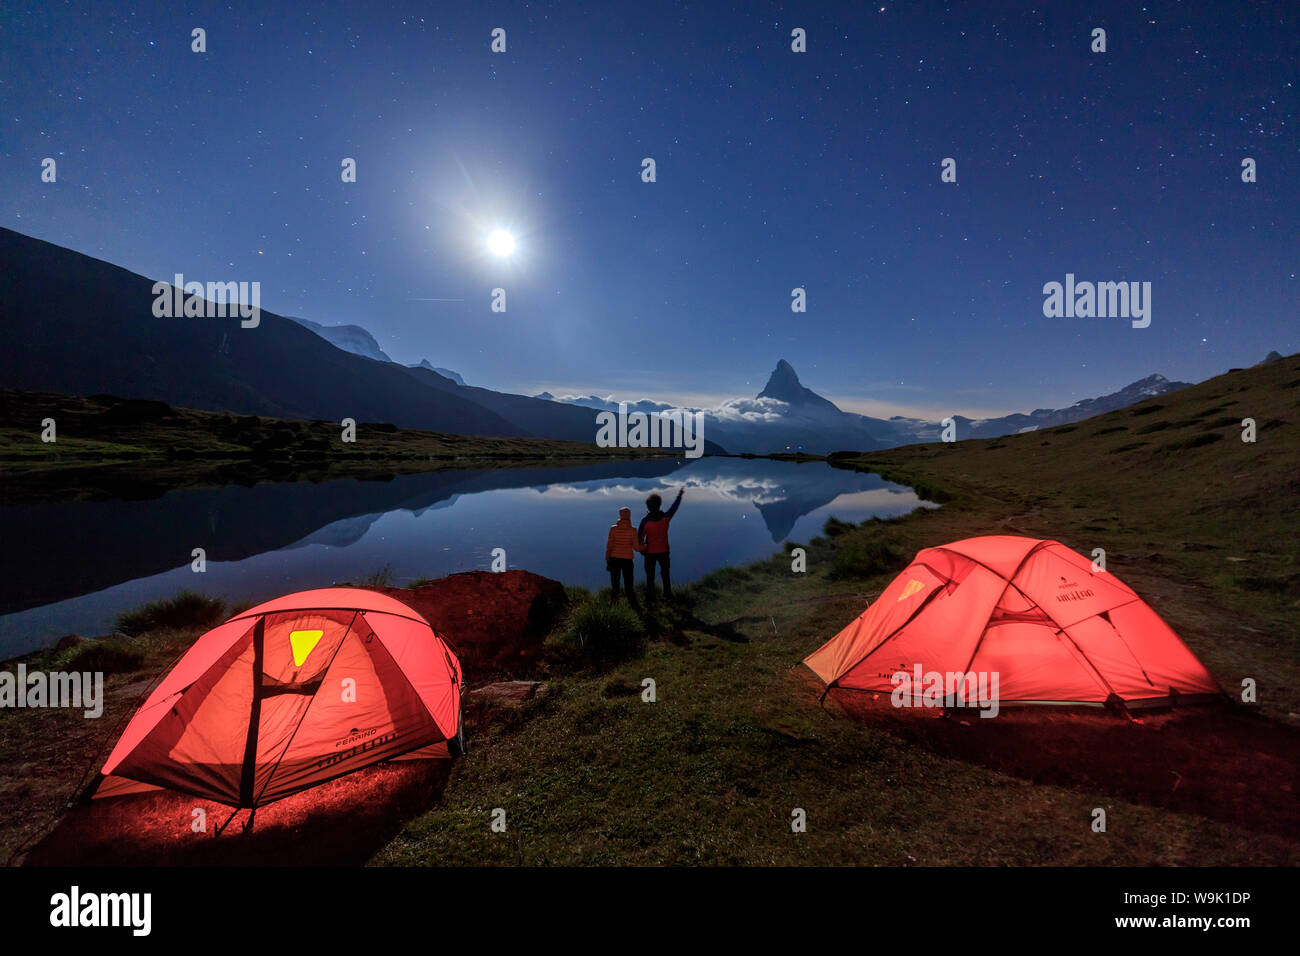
<point>74,566</point>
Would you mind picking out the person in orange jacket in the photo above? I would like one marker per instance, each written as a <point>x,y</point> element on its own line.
<point>620,547</point>
<point>652,534</point>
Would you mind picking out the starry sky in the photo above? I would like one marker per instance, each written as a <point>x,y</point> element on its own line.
<point>775,169</point>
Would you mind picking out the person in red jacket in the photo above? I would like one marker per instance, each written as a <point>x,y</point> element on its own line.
<point>652,534</point>
<point>620,547</point>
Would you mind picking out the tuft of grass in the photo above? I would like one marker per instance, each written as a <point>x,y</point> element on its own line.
<point>186,609</point>
<point>600,632</point>
<point>1275,583</point>
<point>110,656</point>
<point>862,557</point>
<point>1195,441</point>
<point>925,489</point>
<point>929,491</point>
<point>834,527</point>
<point>575,595</point>
<point>1153,427</point>
<point>379,578</point>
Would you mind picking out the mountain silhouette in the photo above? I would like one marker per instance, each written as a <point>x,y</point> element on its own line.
<point>1131,394</point>
<point>783,384</point>
<point>88,328</point>
<point>787,416</point>
<point>534,416</point>
<point>444,372</point>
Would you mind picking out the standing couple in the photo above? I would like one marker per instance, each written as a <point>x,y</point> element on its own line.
<point>651,539</point>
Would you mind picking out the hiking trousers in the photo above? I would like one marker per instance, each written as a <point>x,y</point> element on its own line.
<point>662,561</point>
<point>622,568</point>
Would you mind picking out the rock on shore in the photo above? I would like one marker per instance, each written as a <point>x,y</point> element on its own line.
<point>496,621</point>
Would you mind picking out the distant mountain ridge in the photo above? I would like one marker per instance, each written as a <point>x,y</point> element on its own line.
<point>359,341</point>
<point>88,328</point>
<point>787,416</point>
<point>784,417</point>
<point>350,338</point>
<point>444,372</point>
<point>1131,394</point>
<point>106,340</point>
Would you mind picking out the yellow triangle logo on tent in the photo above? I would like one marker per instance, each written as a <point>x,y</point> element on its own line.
<point>303,643</point>
<point>909,589</point>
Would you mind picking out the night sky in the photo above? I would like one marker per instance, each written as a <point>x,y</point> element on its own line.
<point>775,170</point>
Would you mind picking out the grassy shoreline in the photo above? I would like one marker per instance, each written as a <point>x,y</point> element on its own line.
<point>737,739</point>
<point>711,772</point>
<point>107,445</point>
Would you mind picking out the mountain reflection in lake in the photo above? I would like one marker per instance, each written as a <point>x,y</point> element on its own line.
<point>84,562</point>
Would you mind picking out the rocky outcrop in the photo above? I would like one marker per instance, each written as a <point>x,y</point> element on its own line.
<point>495,621</point>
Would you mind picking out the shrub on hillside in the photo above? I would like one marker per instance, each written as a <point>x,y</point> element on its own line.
<point>603,632</point>
<point>834,527</point>
<point>106,657</point>
<point>1195,441</point>
<point>862,557</point>
<point>187,609</point>
<point>925,490</point>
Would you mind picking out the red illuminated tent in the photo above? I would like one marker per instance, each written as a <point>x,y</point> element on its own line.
<point>289,694</point>
<point>1034,612</point>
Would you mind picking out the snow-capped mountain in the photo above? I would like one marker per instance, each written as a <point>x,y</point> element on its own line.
<point>787,416</point>
<point>1149,387</point>
<point>349,338</point>
<point>784,417</point>
<point>444,372</point>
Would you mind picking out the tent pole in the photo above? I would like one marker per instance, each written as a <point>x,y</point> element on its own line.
<point>217,833</point>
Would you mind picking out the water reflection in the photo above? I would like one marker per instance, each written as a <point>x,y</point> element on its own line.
<point>83,562</point>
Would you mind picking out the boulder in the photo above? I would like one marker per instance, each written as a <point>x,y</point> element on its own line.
<point>496,621</point>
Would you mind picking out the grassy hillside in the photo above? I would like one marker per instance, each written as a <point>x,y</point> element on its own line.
<point>1199,523</point>
<point>106,444</point>
<point>1202,524</point>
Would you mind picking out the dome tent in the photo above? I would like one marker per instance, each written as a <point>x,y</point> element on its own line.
<point>288,695</point>
<point>1032,612</point>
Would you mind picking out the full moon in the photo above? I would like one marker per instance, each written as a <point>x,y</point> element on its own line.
<point>501,243</point>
